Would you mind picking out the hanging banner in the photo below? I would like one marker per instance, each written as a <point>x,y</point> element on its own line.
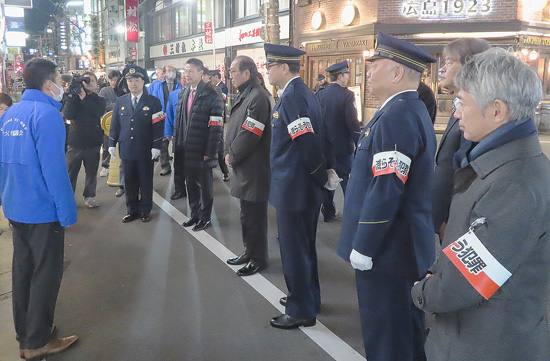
<point>133,53</point>
<point>208,33</point>
<point>132,29</point>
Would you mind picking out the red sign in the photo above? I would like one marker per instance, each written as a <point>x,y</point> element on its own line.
<point>133,53</point>
<point>254,33</point>
<point>208,33</point>
<point>132,28</point>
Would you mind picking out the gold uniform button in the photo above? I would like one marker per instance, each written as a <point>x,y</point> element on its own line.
<point>131,137</point>
<point>131,120</point>
<point>359,146</point>
<point>131,128</point>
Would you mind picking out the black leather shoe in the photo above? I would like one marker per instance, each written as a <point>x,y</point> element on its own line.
<point>282,301</point>
<point>287,322</point>
<point>249,269</point>
<point>177,195</point>
<point>130,217</point>
<point>145,218</point>
<point>190,222</point>
<point>240,259</point>
<point>165,171</point>
<point>201,225</point>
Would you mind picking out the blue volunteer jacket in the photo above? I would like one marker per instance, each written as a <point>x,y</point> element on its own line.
<point>34,181</point>
<point>158,91</point>
<point>171,113</point>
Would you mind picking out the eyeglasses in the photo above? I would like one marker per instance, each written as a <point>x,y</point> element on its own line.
<point>271,65</point>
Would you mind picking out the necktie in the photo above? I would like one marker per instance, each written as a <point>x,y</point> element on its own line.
<point>134,104</point>
<point>190,101</point>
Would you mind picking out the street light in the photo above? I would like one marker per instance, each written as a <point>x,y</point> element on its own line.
<point>120,29</point>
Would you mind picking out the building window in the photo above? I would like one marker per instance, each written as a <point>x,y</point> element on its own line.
<point>204,13</point>
<point>162,27</point>
<point>284,4</point>
<point>183,25</point>
<point>246,8</point>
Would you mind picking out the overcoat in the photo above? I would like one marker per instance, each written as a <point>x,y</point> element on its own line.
<point>247,142</point>
<point>509,186</point>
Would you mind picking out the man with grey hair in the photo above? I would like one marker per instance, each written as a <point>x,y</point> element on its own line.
<point>490,286</point>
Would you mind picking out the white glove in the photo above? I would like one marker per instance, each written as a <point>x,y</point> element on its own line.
<point>112,152</point>
<point>333,180</point>
<point>359,261</point>
<point>155,153</point>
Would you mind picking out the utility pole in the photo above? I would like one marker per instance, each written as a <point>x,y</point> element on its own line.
<point>270,30</point>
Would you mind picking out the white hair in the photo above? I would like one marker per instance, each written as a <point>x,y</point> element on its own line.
<point>497,74</point>
<point>408,73</point>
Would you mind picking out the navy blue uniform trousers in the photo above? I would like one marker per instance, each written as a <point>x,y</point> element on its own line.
<point>297,232</point>
<point>37,273</point>
<point>138,174</point>
<point>393,328</point>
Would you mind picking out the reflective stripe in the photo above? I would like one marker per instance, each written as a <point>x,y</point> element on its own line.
<point>299,127</point>
<point>254,126</point>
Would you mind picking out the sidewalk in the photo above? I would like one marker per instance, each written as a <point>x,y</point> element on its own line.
<point>8,346</point>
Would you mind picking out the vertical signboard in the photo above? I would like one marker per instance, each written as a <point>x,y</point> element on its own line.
<point>133,53</point>
<point>208,33</point>
<point>132,29</point>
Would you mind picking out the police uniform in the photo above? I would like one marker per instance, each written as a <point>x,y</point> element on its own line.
<point>343,129</point>
<point>387,214</point>
<point>298,173</point>
<point>137,131</point>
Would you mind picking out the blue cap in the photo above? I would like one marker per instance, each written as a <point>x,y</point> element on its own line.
<point>134,71</point>
<point>282,54</point>
<point>401,51</point>
<point>338,68</point>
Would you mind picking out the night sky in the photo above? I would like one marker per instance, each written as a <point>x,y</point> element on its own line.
<point>37,17</point>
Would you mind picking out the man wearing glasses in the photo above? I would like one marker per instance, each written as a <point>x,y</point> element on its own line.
<point>298,174</point>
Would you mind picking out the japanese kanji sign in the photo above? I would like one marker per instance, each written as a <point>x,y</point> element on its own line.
<point>132,28</point>
<point>391,162</point>
<point>208,33</point>
<point>477,264</point>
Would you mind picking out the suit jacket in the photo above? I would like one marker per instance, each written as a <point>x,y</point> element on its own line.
<point>223,87</point>
<point>387,213</point>
<point>340,116</point>
<point>134,130</point>
<point>298,168</point>
<point>444,171</point>
<point>508,186</point>
<point>198,134</point>
<point>247,142</point>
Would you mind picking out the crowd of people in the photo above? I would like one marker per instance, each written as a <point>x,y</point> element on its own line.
<point>482,193</point>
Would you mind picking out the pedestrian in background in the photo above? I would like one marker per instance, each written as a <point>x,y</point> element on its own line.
<point>321,83</point>
<point>455,54</point>
<point>247,153</point>
<point>84,111</point>
<point>5,103</point>
<point>490,286</point>
<point>38,201</point>
<point>386,230</point>
<point>108,93</point>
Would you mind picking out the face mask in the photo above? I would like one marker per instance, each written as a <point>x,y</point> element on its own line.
<point>171,75</point>
<point>57,97</point>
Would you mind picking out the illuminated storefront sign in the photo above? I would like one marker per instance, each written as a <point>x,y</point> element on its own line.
<point>446,9</point>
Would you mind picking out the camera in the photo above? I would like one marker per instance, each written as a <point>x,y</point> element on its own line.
<point>76,84</point>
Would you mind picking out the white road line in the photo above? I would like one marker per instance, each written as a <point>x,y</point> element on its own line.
<point>320,334</point>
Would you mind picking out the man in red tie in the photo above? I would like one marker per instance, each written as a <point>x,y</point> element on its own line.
<point>197,131</point>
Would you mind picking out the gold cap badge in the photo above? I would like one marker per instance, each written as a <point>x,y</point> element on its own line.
<point>132,70</point>
<point>276,115</point>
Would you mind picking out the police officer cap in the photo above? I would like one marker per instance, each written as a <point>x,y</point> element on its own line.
<point>341,67</point>
<point>275,53</point>
<point>401,51</point>
<point>134,71</point>
<point>320,77</point>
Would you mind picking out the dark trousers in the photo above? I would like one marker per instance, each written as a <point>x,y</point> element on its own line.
<point>200,192</point>
<point>37,272</point>
<point>138,176</point>
<point>328,208</point>
<point>90,157</point>
<point>297,232</point>
<point>179,171</point>
<point>106,156</point>
<point>221,158</point>
<point>164,156</point>
<point>254,229</point>
<point>393,328</point>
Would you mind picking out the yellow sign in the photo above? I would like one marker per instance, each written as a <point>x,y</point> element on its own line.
<point>106,122</point>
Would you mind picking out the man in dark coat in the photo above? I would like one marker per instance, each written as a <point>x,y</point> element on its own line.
<point>197,132</point>
<point>84,112</point>
<point>216,80</point>
<point>387,225</point>
<point>298,174</point>
<point>455,55</point>
<point>343,129</point>
<point>490,285</point>
<point>138,126</point>
<point>247,152</point>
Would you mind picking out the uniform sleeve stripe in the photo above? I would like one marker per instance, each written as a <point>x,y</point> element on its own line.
<point>373,222</point>
<point>316,169</point>
<point>299,127</point>
<point>254,126</point>
<point>391,162</point>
